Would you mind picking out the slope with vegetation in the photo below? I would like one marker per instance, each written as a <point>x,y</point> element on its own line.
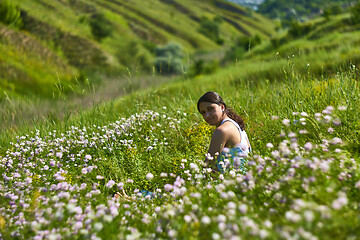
<point>60,44</point>
<point>302,179</point>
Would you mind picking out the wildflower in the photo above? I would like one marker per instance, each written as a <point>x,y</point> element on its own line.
<point>340,201</point>
<point>335,141</point>
<point>269,145</point>
<point>168,187</point>
<point>303,114</point>
<point>216,236</point>
<point>336,122</point>
<point>87,157</point>
<point>110,184</point>
<point>98,226</point>
<point>341,108</point>
<point>286,122</point>
<point>357,184</point>
<point>205,220</point>
<point>308,146</point>
<point>129,181</point>
<point>243,208</point>
<point>330,130</point>
<point>120,185</point>
<point>99,177</point>
<point>309,215</point>
<point>187,218</point>
<point>149,176</point>
<point>292,216</point>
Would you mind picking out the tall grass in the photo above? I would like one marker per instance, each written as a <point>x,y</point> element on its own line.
<point>155,140</point>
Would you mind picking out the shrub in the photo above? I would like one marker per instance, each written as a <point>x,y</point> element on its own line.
<point>100,26</point>
<point>211,29</point>
<point>298,30</point>
<point>10,14</point>
<point>169,59</point>
<point>332,10</point>
<point>355,13</point>
<point>241,46</point>
<point>201,67</point>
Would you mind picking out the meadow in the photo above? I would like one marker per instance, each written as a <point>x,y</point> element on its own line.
<point>302,179</point>
<point>59,175</point>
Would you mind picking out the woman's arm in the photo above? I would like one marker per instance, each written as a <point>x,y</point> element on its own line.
<point>217,144</point>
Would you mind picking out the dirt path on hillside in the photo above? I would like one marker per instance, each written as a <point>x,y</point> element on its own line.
<point>20,113</point>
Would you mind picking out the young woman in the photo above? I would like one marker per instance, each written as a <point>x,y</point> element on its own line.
<point>229,140</point>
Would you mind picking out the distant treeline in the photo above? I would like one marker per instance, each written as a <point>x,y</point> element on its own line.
<point>301,9</point>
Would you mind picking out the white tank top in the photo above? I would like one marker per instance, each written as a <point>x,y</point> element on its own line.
<point>244,142</point>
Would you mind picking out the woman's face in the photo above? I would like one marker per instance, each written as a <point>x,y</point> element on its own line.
<point>212,113</point>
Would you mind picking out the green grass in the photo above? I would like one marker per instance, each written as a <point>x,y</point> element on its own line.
<point>178,132</point>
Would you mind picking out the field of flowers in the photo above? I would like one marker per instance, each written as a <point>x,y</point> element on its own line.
<point>61,184</point>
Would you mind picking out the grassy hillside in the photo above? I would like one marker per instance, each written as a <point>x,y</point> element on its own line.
<point>60,44</point>
<point>300,103</point>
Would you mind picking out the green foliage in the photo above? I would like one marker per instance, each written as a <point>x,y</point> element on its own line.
<point>211,29</point>
<point>200,67</point>
<point>294,9</point>
<point>334,9</point>
<point>100,26</point>
<point>297,30</point>
<point>355,13</point>
<point>10,14</point>
<point>169,59</point>
<point>134,57</point>
<point>241,46</point>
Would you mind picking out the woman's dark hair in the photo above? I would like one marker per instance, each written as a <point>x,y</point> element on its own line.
<point>214,97</point>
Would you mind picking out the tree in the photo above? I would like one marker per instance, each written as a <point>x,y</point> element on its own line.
<point>100,27</point>
<point>169,59</point>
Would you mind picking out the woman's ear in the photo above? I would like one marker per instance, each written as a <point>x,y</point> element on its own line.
<point>222,107</point>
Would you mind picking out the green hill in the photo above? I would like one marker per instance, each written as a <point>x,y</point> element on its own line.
<point>61,43</point>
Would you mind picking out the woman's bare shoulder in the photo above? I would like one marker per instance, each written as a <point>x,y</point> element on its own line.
<point>227,126</point>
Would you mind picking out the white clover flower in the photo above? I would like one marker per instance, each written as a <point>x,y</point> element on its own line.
<point>341,108</point>
<point>98,226</point>
<point>292,216</point>
<point>205,220</point>
<point>308,146</point>
<point>243,208</point>
<point>286,122</point>
<point>110,184</point>
<point>163,174</point>
<point>269,145</point>
<point>149,176</point>
<point>309,215</point>
<point>187,218</point>
<point>340,202</point>
<point>216,236</point>
<point>168,187</point>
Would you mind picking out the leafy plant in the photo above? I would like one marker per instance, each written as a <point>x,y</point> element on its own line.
<point>241,46</point>
<point>169,59</point>
<point>210,28</point>
<point>10,14</point>
<point>100,27</point>
<point>355,13</point>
